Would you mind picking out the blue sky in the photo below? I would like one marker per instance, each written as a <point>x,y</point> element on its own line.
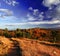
<point>29,14</point>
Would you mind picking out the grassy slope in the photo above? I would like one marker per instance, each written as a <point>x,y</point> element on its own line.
<point>26,47</point>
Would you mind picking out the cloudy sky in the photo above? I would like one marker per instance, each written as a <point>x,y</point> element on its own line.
<point>29,14</point>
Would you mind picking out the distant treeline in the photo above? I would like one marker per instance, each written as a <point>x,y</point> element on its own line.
<point>35,33</point>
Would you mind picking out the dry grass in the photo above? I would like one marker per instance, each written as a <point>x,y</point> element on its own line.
<point>5,44</point>
<point>27,47</point>
<point>34,48</point>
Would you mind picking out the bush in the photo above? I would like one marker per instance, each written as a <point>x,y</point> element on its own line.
<point>6,34</point>
<point>19,34</point>
<point>27,35</point>
<point>43,34</point>
<point>54,35</point>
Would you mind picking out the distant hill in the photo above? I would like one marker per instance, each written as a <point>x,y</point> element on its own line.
<point>52,35</point>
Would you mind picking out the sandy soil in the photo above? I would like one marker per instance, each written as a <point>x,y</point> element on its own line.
<point>26,47</point>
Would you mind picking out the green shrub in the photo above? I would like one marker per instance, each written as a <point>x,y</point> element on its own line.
<point>43,34</point>
<point>19,34</point>
<point>6,34</point>
<point>54,35</point>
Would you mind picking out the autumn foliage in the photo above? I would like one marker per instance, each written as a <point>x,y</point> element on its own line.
<point>34,33</point>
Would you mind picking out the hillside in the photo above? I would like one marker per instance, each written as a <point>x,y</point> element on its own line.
<point>26,47</point>
<point>51,35</point>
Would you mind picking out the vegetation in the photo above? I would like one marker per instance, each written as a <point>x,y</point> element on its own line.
<point>41,34</point>
<point>54,35</point>
<point>6,34</point>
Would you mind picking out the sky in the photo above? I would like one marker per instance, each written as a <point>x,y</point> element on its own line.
<point>26,14</point>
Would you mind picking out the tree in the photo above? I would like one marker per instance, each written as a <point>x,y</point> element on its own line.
<point>6,33</point>
<point>17,29</point>
<point>54,34</point>
<point>18,33</point>
<point>27,35</point>
<point>43,34</point>
<point>6,30</point>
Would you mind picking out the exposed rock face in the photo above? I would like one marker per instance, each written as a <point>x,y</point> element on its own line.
<point>26,47</point>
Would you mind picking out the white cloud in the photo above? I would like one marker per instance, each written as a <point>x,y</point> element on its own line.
<point>35,11</point>
<point>28,15</point>
<point>30,18</point>
<point>58,26</point>
<point>49,3</point>
<point>26,25</point>
<point>14,24</point>
<point>11,2</point>
<point>33,23</point>
<point>58,8</point>
<point>30,8</point>
<point>14,3</point>
<point>42,13</point>
<point>6,12</point>
<point>35,14</point>
<point>54,13</point>
<point>41,16</point>
<point>45,22</point>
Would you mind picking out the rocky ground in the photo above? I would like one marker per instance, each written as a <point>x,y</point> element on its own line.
<point>26,47</point>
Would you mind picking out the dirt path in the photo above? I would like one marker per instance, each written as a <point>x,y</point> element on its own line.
<point>26,47</point>
<point>35,48</point>
<point>15,50</point>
